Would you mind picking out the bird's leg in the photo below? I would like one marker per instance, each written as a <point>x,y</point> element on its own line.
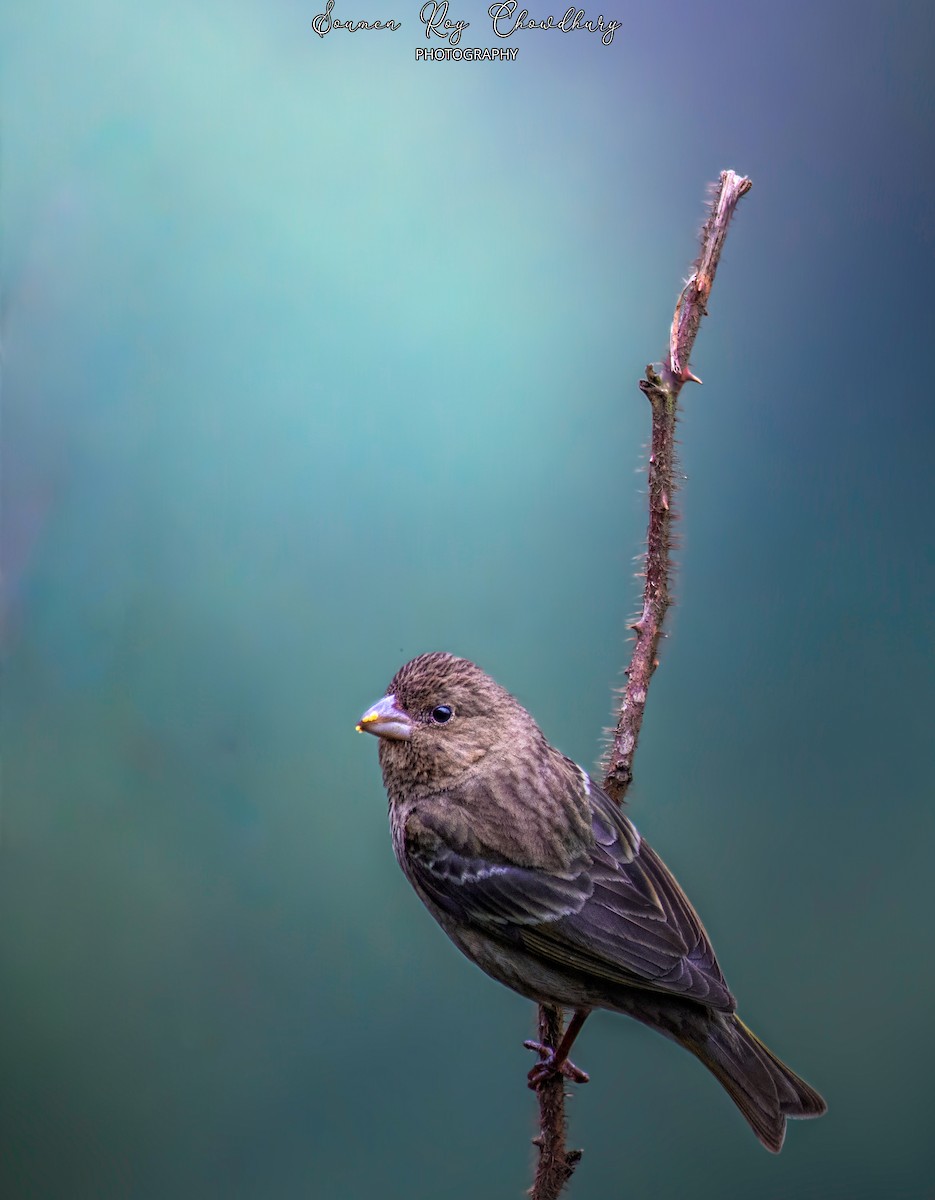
<point>555,1062</point>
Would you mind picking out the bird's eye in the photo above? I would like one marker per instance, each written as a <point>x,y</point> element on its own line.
<point>442,714</point>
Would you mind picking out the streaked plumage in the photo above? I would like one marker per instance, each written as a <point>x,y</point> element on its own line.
<point>539,878</point>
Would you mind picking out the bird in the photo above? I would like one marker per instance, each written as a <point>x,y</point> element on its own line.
<point>539,878</point>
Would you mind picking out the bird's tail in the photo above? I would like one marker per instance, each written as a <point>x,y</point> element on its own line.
<point>762,1087</point>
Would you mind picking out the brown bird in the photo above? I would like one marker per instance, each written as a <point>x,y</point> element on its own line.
<point>540,879</point>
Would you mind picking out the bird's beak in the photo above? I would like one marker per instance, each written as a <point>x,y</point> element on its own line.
<point>387,720</point>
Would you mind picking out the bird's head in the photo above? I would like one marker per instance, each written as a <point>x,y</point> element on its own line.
<point>440,716</point>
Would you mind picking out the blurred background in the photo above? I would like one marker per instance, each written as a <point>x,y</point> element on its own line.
<point>316,357</point>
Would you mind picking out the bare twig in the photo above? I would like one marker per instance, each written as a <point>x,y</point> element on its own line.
<point>662,390</point>
<point>556,1163</point>
<point>661,387</point>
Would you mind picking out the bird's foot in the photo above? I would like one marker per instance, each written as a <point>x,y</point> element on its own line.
<point>550,1066</point>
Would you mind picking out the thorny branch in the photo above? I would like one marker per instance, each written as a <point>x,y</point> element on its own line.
<point>661,386</point>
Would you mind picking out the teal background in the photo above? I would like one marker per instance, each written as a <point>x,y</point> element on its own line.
<point>316,357</point>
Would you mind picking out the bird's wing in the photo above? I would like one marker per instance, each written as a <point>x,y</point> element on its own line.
<point>488,891</point>
<point>616,915</point>
<point>637,927</point>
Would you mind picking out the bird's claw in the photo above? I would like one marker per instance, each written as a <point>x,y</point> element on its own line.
<point>549,1067</point>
